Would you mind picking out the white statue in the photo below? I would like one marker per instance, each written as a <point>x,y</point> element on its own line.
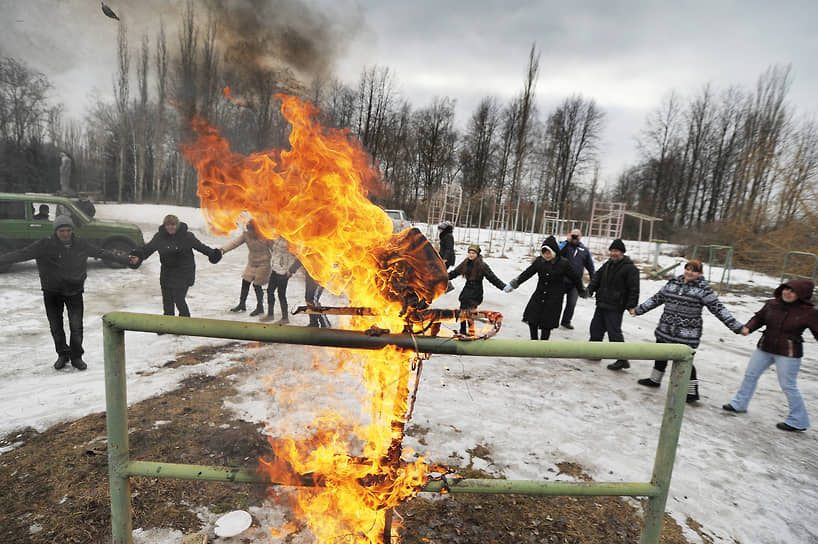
<point>65,173</point>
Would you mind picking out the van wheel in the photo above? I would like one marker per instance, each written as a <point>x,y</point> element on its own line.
<point>121,247</point>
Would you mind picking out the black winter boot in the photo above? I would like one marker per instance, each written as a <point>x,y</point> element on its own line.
<point>655,379</point>
<point>78,363</point>
<point>61,361</point>
<point>693,391</point>
<point>259,301</point>
<point>619,365</point>
<point>285,318</point>
<point>271,299</point>
<point>245,289</point>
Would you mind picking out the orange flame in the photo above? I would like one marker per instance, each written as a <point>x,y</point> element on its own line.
<point>315,196</point>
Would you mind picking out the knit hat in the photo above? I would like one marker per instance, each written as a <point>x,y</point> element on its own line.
<point>475,248</point>
<point>63,221</point>
<point>617,244</point>
<point>170,219</point>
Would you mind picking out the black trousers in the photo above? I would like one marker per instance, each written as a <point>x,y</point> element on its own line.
<point>545,334</point>
<point>609,321</point>
<point>55,303</point>
<point>312,294</point>
<point>571,296</point>
<point>662,365</point>
<point>175,297</point>
<point>278,282</point>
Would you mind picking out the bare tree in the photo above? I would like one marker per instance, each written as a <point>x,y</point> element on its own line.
<point>186,95</point>
<point>121,95</point>
<point>375,98</point>
<point>160,126</point>
<point>526,105</point>
<point>23,95</point>
<point>436,138</point>
<point>798,172</point>
<point>764,127</point>
<point>141,125</point>
<point>573,132</point>
<point>478,152</point>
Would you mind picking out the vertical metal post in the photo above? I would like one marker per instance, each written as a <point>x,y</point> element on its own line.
<point>666,449</point>
<point>116,417</point>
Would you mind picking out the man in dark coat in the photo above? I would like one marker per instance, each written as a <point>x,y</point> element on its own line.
<point>579,257</point>
<point>446,243</point>
<point>543,309</point>
<point>616,285</point>
<point>86,206</point>
<point>62,263</point>
<point>175,244</point>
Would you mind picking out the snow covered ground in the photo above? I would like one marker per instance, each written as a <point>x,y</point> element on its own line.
<point>737,475</point>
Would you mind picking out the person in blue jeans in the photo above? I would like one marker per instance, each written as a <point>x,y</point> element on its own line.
<point>785,317</point>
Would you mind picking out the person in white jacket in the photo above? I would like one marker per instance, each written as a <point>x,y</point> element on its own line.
<point>257,270</point>
<point>284,265</point>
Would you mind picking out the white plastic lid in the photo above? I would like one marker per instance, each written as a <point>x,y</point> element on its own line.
<point>233,523</point>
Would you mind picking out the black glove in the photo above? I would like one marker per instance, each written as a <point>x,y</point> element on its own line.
<point>215,255</point>
<point>137,264</point>
<point>583,292</point>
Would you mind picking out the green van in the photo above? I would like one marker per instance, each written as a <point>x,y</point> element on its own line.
<point>25,218</point>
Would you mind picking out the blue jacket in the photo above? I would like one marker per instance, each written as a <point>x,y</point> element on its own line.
<point>578,257</point>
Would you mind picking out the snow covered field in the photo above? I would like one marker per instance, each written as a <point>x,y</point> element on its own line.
<point>737,475</point>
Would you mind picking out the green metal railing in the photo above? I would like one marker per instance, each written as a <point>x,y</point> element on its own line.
<point>121,468</point>
<point>713,252</point>
<point>785,275</point>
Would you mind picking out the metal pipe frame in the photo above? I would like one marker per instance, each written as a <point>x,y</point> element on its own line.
<point>121,468</point>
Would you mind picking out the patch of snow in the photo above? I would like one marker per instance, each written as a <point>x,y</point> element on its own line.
<point>737,475</point>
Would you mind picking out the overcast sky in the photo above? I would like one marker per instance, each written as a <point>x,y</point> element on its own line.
<point>627,56</point>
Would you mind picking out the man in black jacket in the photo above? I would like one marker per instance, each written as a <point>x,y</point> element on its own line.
<point>616,285</point>
<point>579,257</point>
<point>62,263</point>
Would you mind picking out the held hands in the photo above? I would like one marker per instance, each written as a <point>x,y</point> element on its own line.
<point>744,331</point>
<point>583,293</point>
<point>632,312</point>
<point>508,288</point>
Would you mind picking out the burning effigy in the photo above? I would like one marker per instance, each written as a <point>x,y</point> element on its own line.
<point>314,195</point>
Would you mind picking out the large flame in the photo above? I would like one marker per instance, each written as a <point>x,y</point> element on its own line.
<point>315,196</point>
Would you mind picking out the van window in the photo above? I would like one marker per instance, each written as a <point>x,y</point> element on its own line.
<point>12,209</point>
<point>41,211</point>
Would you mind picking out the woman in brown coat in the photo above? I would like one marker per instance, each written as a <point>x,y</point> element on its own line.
<point>785,318</point>
<point>257,270</point>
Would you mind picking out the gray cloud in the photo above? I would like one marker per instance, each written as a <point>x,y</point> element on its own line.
<point>625,55</point>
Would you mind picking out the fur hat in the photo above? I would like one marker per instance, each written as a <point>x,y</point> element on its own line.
<point>617,244</point>
<point>63,221</point>
<point>475,248</point>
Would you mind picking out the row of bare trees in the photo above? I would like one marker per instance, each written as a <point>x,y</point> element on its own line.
<point>728,156</point>
<point>128,148</point>
<point>731,156</point>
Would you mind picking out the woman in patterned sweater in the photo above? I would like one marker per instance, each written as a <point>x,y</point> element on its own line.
<point>681,321</point>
